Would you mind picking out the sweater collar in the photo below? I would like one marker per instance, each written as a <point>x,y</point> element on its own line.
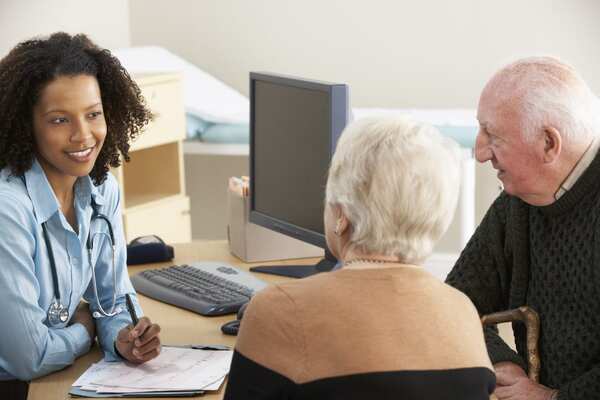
<point>580,167</point>
<point>587,182</point>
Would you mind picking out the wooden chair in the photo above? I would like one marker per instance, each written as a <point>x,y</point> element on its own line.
<point>531,319</point>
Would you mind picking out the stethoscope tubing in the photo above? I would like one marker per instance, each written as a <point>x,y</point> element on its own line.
<point>57,304</point>
<point>52,263</point>
<point>57,312</point>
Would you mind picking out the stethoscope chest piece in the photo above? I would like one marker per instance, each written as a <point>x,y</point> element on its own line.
<point>57,313</point>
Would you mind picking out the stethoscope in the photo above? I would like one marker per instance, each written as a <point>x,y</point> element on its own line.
<point>57,312</point>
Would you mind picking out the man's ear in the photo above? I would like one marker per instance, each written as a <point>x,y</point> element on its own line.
<point>552,144</point>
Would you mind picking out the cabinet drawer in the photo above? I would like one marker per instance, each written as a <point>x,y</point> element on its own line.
<point>165,100</point>
<point>168,218</point>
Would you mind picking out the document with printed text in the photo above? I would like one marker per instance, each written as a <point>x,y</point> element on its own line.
<point>175,369</point>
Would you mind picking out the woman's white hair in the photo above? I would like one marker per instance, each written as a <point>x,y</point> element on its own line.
<point>551,93</point>
<point>397,181</point>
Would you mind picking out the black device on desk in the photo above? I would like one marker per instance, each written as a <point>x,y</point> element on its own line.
<point>232,327</point>
<point>207,288</point>
<point>294,127</point>
<point>148,249</point>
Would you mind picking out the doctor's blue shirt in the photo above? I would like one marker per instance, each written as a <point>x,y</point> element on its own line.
<point>29,345</point>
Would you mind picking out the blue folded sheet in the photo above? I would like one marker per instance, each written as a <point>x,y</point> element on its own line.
<point>210,132</point>
<point>463,135</point>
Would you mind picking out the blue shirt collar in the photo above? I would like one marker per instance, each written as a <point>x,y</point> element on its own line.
<point>85,189</point>
<point>45,203</point>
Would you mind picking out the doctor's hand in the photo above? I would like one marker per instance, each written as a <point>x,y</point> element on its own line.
<point>83,316</point>
<point>139,343</point>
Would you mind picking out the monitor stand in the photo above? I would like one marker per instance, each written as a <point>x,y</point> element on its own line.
<point>299,271</point>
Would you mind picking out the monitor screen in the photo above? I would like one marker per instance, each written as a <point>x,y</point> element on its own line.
<point>295,124</point>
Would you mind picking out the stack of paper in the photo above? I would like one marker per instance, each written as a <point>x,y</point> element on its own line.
<point>176,371</point>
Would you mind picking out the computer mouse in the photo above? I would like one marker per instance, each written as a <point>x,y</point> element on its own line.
<point>232,327</point>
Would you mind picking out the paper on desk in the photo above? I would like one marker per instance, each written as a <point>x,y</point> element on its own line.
<point>78,392</point>
<point>174,369</point>
<point>115,389</point>
<point>95,370</point>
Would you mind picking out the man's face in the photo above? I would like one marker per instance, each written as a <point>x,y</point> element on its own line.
<point>500,140</point>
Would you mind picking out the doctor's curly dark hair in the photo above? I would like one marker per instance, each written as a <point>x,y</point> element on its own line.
<point>34,63</point>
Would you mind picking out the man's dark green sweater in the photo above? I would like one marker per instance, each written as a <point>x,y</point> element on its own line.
<point>547,258</point>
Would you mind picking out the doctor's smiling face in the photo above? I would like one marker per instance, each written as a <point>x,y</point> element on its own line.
<point>69,126</point>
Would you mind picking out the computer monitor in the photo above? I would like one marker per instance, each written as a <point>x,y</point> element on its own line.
<point>294,127</point>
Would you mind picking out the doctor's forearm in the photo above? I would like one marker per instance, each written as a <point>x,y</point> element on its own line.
<point>30,358</point>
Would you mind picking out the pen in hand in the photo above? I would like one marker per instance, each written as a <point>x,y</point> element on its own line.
<point>138,343</point>
<point>131,310</point>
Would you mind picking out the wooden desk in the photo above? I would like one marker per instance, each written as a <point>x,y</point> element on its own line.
<point>178,326</point>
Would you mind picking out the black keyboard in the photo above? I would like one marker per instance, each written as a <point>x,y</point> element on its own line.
<point>205,288</point>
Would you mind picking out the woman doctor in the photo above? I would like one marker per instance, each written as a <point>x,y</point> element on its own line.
<point>68,111</point>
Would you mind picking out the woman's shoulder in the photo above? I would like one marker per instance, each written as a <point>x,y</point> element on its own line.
<point>13,195</point>
<point>269,301</point>
<point>270,333</point>
<point>289,291</point>
<point>459,322</point>
<point>109,185</point>
<point>453,298</point>
<point>109,189</point>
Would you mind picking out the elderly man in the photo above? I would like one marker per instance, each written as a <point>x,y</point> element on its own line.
<point>539,243</point>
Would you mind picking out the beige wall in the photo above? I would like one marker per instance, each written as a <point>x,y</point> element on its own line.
<point>106,22</point>
<point>396,53</point>
<point>426,53</point>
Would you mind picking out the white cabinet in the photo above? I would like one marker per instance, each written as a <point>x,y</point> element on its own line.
<point>152,183</point>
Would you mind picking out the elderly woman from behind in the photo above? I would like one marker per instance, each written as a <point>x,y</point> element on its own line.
<point>381,327</point>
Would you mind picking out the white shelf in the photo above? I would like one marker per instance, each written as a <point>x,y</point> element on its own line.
<point>219,149</point>
<point>152,184</point>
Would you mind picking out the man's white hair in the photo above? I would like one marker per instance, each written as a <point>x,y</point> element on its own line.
<point>550,93</point>
<point>397,181</point>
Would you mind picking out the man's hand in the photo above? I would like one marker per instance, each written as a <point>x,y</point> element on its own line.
<point>513,384</point>
<point>84,317</point>
<point>140,343</point>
